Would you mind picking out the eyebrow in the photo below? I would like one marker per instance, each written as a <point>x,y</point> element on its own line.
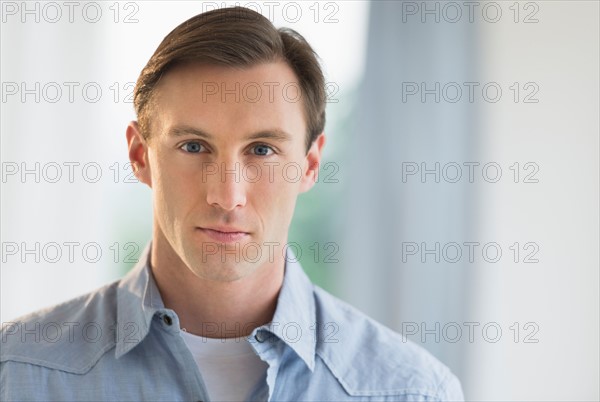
<point>274,134</point>
<point>185,130</point>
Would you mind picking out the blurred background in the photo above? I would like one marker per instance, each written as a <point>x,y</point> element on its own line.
<point>458,197</point>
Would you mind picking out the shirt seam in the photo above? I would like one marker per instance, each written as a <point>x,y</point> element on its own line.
<point>389,392</point>
<point>55,366</point>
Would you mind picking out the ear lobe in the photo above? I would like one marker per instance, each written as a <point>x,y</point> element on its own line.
<point>138,153</point>
<point>313,161</point>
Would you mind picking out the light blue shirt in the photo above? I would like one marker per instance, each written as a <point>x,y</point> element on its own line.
<point>119,343</point>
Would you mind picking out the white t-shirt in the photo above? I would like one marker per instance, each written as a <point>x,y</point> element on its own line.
<point>229,367</point>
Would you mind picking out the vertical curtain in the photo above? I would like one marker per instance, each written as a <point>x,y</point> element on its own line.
<point>397,131</point>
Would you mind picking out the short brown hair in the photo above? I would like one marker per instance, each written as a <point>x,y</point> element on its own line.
<point>240,37</point>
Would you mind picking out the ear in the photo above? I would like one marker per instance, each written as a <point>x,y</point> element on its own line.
<point>312,163</point>
<point>138,153</point>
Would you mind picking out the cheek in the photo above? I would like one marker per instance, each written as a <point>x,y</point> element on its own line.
<point>275,194</point>
<point>174,186</point>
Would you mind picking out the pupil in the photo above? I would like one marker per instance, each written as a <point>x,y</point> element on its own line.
<point>262,150</point>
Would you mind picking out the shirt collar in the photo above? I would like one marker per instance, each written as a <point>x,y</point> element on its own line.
<point>294,321</point>
<point>138,300</point>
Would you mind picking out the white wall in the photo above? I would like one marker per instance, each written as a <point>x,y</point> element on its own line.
<point>560,213</point>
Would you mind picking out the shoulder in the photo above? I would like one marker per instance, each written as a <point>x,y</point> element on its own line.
<point>70,336</point>
<point>369,359</point>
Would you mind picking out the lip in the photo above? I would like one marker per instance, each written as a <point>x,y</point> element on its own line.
<point>223,234</point>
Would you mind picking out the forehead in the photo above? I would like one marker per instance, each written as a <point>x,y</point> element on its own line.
<point>231,101</point>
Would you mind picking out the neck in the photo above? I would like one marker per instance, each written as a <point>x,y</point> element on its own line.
<point>215,309</point>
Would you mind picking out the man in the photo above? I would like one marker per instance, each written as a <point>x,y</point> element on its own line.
<point>218,308</point>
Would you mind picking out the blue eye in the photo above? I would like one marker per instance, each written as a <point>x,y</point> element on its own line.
<point>192,147</point>
<point>262,150</point>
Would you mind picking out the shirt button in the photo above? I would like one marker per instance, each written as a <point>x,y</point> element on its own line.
<point>260,336</point>
<point>167,319</point>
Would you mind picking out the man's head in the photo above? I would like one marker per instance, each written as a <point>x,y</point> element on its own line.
<point>227,106</point>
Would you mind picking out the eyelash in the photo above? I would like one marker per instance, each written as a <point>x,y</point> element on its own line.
<point>202,145</point>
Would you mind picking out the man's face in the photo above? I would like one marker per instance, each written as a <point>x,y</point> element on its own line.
<point>226,161</point>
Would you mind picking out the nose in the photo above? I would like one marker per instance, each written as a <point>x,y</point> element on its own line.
<point>226,189</point>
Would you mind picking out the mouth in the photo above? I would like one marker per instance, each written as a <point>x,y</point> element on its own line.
<point>223,234</point>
